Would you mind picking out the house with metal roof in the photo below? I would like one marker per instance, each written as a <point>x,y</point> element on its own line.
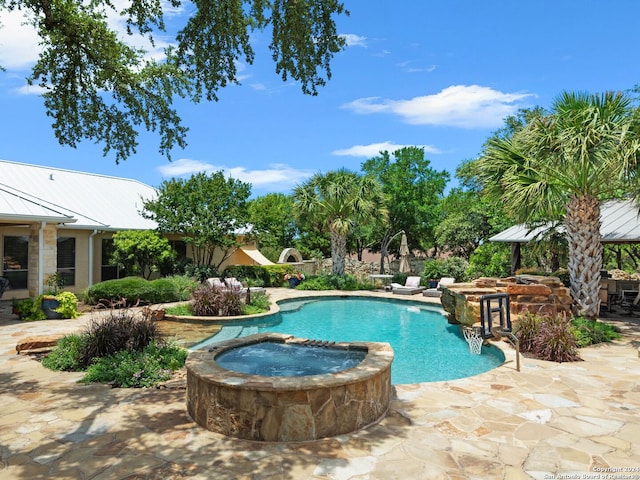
<point>54,220</point>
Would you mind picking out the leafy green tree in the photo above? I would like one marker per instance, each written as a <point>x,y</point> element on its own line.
<point>142,252</point>
<point>413,191</point>
<point>560,166</point>
<point>337,200</point>
<point>271,219</point>
<point>208,210</point>
<point>99,86</point>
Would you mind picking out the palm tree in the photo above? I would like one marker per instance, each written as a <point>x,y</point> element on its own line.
<point>560,166</point>
<point>338,200</point>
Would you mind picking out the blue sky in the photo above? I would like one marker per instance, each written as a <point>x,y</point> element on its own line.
<point>437,74</point>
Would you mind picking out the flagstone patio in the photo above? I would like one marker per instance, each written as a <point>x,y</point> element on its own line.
<point>545,420</point>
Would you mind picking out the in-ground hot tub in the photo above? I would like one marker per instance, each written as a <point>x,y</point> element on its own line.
<point>284,405</point>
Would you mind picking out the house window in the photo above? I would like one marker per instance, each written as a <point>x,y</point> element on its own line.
<point>15,261</point>
<point>108,271</point>
<point>180,248</point>
<point>67,260</point>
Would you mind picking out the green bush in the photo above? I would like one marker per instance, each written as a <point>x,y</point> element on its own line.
<point>334,282</point>
<point>455,267</point>
<point>259,275</point>
<point>590,332</point>
<point>491,259</point>
<point>66,355</point>
<point>120,350</point>
<point>136,290</point>
<point>126,369</point>
<point>183,309</point>
<point>259,303</point>
<point>68,305</point>
<point>184,286</point>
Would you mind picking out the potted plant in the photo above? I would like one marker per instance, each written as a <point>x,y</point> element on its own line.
<point>294,279</point>
<point>48,302</point>
<point>22,308</point>
<point>67,305</point>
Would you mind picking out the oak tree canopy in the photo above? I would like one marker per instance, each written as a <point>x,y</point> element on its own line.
<point>101,86</point>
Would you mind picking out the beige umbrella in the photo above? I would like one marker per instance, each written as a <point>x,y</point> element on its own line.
<point>404,255</point>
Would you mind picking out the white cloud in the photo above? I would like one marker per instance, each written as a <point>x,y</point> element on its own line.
<point>462,106</point>
<point>30,90</point>
<point>354,40</point>
<point>19,43</point>
<point>278,177</point>
<point>19,47</point>
<point>374,149</point>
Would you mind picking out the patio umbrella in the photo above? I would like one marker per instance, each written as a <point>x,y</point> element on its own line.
<point>404,255</point>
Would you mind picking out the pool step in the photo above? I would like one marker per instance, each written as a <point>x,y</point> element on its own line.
<point>225,333</point>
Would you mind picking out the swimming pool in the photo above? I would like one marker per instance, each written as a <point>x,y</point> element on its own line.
<point>426,347</point>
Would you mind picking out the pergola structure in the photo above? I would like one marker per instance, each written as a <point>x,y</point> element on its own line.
<point>619,223</point>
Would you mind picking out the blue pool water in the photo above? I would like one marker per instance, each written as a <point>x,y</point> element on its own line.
<point>425,346</point>
<point>272,359</point>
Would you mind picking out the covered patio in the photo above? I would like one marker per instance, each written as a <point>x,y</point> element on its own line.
<point>620,224</point>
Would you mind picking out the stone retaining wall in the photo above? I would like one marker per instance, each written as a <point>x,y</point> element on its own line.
<point>527,293</point>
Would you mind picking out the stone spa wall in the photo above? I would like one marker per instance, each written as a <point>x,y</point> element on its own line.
<point>287,409</point>
<point>527,293</point>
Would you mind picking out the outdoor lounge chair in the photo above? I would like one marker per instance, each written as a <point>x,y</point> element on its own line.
<point>234,285</point>
<point>436,292</point>
<point>411,287</point>
<point>215,282</point>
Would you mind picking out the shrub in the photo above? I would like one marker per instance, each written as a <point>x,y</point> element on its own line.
<point>130,288</point>
<point>259,275</point>
<point>455,267</point>
<point>185,286</point>
<point>68,305</point>
<point>547,338</point>
<point>118,331</point>
<point>526,329</point>
<point>230,304</point>
<point>334,282</point>
<point>29,309</point>
<point>590,332</point>
<point>183,309</point>
<point>199,272</point>
<point>136,290</point>
<point>555,341</point>
<point>154,364</point>
<point>259,303</point>
<point>66,355</point>
<point>206,301</point>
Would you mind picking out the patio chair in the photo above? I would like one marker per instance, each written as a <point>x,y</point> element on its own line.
<point>4,284</point>
<point>410,287</point>
<point>437,292</point>
<point>215,282</point>
<point>234,285</point>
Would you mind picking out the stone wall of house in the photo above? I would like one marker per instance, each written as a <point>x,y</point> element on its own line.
<point>527,293</point>
<point>45,253</point>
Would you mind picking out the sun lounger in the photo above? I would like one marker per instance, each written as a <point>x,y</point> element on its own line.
<point>436,292</point>
<point>411,287</point>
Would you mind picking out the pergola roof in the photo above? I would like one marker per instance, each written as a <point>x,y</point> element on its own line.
<point>620,223</point>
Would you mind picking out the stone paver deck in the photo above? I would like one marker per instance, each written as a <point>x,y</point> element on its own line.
<point>549,419</point>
